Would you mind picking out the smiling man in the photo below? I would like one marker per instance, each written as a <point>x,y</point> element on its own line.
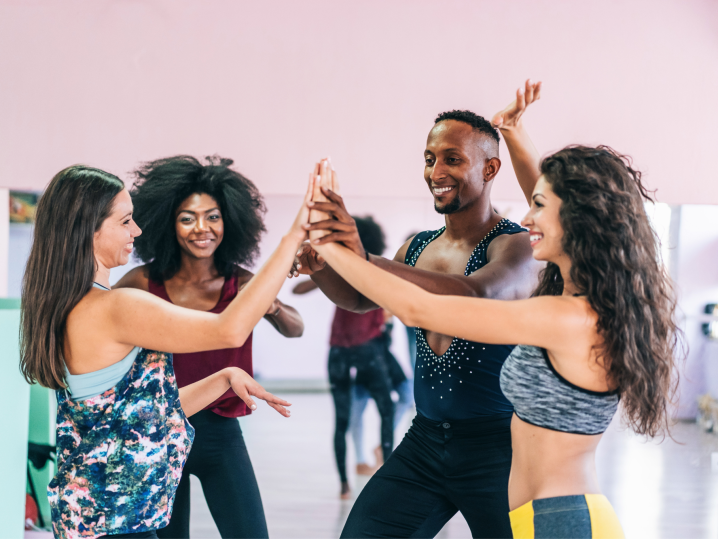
<point>457,454</point>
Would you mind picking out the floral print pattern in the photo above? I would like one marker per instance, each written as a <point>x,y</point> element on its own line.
<point>120,454</point>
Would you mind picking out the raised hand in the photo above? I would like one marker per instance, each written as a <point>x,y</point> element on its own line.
<point>247,387</point>
<point>297,229</point>
<point>511,116</point>
<point>339,227</point>
<point>306,262</point>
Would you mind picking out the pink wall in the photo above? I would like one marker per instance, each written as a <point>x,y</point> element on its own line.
<point>278,84</point>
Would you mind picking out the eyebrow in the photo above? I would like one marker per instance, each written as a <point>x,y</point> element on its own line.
<point>194,212</point>
<point>128,214</point>
<point>445,150</point>
<point>537,195</point>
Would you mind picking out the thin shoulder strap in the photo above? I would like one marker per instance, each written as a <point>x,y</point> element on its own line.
<point>418,244</point>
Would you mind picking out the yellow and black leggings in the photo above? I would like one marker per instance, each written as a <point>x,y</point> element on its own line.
<point>588,516</point>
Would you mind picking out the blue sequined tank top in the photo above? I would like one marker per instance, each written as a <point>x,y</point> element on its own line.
<point>462,383</point>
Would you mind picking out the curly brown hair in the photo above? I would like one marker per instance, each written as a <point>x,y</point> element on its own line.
<point>615,262</point>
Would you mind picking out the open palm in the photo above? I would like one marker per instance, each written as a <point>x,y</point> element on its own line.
<point>511,115</point>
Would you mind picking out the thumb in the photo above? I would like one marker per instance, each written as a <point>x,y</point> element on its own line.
<point>497,120</point>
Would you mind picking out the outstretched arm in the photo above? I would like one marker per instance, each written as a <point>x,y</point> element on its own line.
<point>509,274</point>
<point>543,321</point>
<point>202,393</point>
<point>138,318</point>
<point>524,156</point>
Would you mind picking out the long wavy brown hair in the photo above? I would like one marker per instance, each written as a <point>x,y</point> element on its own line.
<point>615,262</point>
<point>61,266</point>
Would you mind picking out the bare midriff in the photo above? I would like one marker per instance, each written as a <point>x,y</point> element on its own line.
<point>548,463</point>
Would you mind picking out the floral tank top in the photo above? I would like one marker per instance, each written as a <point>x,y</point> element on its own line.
<point>120,454</point>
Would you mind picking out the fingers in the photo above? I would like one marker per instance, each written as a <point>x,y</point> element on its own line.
<point>533,91</point>
<point>329,224</point>
<point>310,189</point>
<point>333,208</point>
<point>334,237</point>
<point>243,394</point>
<point>529,91</point>
<point>304,249</point>
<point>281,409</point>
<point>520,100</point>
<point>334,197</point>
<point>335,181</point>
<point>326,174</point>
<point>269,398</point>
<point>317,194</point>
<point>498,119</point>
<point>273,401</point>
<point>537,91</point>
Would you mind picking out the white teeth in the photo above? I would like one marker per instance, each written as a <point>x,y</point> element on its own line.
<point>535,237</point>
<point>440,190</point>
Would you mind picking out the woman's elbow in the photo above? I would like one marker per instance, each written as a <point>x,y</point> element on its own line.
<point>234,338</point>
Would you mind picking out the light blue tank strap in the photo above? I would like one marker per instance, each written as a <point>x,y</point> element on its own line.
<point>91,384</point>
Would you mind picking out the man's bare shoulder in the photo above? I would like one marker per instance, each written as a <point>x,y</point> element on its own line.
<point>138,277</point>
<point>515,247</point>
<point>400,255</point>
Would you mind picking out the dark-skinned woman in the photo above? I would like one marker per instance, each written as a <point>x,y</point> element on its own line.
<point>202,222</point>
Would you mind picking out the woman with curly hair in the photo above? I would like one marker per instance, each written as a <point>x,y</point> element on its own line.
<point>600,328</point>
<point>202,222</point>
<point>122,430</point>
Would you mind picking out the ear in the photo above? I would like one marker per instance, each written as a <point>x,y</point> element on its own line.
<point>491,168</point>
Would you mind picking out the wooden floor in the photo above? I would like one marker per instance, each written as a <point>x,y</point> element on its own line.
<point>665,490</point>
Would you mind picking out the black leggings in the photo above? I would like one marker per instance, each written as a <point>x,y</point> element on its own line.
<point>220,461</point>
<point>371,372</point>
<point>439,468</point>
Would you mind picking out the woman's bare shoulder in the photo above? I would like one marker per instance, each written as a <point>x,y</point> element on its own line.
<point>138,277</point>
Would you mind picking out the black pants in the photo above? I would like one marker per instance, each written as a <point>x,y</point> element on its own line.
<point>220,461</point>
<point>371,372</point>
<point>439,468</point>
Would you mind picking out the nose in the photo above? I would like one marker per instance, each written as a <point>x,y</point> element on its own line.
<point>437,172</point>
<point>136,230</point>
<point>201,224</point>
<point>528,220</point>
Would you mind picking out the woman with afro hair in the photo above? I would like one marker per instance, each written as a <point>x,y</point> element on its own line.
<point>202,222</point>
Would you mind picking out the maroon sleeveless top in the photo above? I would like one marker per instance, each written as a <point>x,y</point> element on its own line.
<point>190,368</point>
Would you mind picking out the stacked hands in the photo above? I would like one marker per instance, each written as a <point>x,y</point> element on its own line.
<point>329,220</point>
<point>323,219</point>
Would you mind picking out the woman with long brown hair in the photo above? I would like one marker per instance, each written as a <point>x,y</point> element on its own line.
<point>599,329</point>
<point>122,432</point>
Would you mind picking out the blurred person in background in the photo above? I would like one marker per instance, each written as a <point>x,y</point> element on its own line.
<point>401,385</point>
<point>202,223</point>
<point>358,347</point>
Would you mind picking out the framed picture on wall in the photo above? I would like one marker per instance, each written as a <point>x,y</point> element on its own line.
<point>22,206</point>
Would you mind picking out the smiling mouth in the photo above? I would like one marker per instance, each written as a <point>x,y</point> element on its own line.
<point>201,243</point>
<point>438,191</point>
<point>535,238</point>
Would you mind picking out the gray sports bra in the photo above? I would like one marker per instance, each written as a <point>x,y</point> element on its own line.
<point>542,397</point>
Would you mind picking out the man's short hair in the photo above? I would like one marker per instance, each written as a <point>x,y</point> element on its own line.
<point>479,123</point>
